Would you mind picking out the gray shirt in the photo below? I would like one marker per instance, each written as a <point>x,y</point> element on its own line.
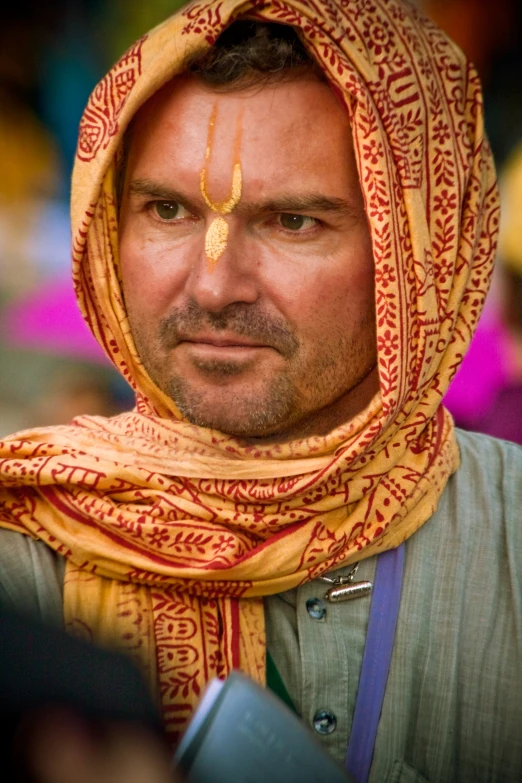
<point>452,708</point>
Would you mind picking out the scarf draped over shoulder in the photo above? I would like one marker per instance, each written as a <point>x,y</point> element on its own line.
<point>174,533</point>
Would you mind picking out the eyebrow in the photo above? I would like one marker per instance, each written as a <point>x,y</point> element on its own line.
<point>306,202</point>
<point>290,202</point>
<point>150,189</point>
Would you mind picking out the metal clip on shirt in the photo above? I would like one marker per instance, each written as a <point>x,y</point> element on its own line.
<point>344,588</point>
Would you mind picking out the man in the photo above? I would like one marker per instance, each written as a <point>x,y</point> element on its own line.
<point>284,227</point>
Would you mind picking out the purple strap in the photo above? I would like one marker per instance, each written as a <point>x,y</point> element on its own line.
<point>384,610</point>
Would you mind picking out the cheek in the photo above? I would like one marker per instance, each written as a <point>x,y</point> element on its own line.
<point>329,296</point>
<point>350,284</point>
<point>151,272</point>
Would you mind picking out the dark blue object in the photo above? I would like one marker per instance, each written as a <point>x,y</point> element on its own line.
<point>378,650</point>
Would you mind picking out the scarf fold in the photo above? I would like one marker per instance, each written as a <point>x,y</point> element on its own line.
<point>174,533</point>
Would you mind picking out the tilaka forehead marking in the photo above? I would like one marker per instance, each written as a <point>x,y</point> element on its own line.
<point>217,234</point>
<point>216,241</point>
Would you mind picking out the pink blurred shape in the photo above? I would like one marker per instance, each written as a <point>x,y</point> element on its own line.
<point>484,371</point>
<point>48,319</point>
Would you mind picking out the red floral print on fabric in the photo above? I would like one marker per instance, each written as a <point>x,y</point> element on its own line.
<point>100,118</point>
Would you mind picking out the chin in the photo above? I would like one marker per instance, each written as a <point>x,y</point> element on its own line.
<point>242,413</point>
<point>251,425</point>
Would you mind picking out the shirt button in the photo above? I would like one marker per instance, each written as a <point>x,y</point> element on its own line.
<point>316,608</point>
<point>324,722</point>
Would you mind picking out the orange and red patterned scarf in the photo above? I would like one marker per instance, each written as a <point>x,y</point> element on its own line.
<point>173,533</point>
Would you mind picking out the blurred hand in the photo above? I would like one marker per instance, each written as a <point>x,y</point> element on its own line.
<point>59,746</point>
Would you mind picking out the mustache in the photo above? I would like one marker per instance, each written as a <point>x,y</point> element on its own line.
<point>245,320</point>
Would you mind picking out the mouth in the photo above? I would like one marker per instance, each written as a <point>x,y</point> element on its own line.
<point>225,343</point>
<point>228,348</point>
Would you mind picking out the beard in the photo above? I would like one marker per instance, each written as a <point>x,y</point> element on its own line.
<point>238,399</point>
<point>246,412</point>
<point>244,320</point>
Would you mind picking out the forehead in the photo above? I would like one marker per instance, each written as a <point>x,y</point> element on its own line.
<point>290,131</point>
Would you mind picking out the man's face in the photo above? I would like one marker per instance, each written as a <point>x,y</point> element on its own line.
<point>276,338</point>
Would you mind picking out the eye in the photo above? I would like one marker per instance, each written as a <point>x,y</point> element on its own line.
<point>296,222</point>
<point>169,210</point>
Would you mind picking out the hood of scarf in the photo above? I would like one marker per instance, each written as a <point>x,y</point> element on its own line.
<point>173,520</point>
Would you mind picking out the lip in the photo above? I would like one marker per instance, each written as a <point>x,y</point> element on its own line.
<point>238,350</point>
<point>224,342</point>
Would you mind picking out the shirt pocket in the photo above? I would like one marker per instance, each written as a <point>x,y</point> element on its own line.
<point>403,773</point>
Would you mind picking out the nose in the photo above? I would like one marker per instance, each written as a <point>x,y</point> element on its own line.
<point>230,279</point>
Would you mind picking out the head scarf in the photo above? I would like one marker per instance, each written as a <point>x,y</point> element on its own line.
<point>173,533</point>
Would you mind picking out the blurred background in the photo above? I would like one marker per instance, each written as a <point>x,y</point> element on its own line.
<point>51,56</point>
